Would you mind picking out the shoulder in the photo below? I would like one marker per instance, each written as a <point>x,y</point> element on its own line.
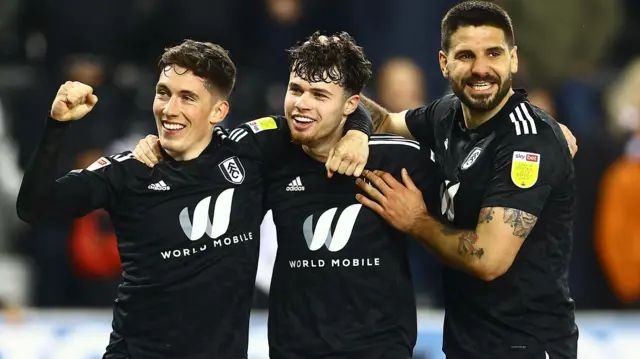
<point>122,159</point>
<point>436,109</point>
<point>445,103</point>
<point>529,125</point>
<point>387,142</point>
<point>267,124</point>
<point>397,149</point>
<point>269,128</point>
<point>531,136</point>
<point>114,165</point>
<point>254,138</point>
<point>529,121</point>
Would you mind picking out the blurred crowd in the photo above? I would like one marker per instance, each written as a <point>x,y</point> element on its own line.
<point>579,60</point>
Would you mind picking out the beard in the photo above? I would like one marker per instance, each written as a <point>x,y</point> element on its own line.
<point>302,138</point>
<point>481,102</point>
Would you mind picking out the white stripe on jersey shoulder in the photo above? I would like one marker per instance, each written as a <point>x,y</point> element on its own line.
<point>380,139</point>
<point>121,157</point>
<point>237,134</point>
<point>389,136</point>
<point>220,132</point>
<point>522,120</point>
<point>385,137</point>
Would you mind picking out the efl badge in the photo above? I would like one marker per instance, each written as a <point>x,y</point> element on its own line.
<point>98,164</point>
<point>524,168</point>
<point>232,170</point>
<point>261,124</point>
<point>471,158</point>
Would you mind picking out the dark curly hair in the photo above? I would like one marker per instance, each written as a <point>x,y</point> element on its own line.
<point>475,13</point>
<point>331,59</point>
<point>208,61</point>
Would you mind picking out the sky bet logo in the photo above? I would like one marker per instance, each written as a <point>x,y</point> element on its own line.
<point>529,157</point>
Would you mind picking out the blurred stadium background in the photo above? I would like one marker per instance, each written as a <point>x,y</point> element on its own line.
<point>580,60</point>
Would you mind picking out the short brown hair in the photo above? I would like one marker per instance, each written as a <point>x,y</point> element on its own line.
<point>338,59</point>
<point>475,13</point>
<point>208,61</point>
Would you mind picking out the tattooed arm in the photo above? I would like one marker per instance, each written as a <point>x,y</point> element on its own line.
<point>385,121</point>
<point>486,252</point>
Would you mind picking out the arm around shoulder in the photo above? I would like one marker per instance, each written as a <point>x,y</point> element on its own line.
<point>385,121</point>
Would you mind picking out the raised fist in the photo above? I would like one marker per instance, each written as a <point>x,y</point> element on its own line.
<point>73,101</point>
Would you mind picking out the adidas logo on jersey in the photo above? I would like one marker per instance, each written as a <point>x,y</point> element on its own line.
<point>295,186</point>
<point>160,186</point>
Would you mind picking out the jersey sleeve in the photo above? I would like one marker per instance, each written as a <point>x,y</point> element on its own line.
<point>402,153</point>
<point>262,139</point>
<point>76,194</point>
<point>421,123</point>
<point>359,120</point>
<point>526,168</point>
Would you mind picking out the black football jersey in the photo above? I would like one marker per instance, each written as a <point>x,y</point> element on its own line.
<point>188,238</point>
<point>518,159</point>
<point>341,285</point>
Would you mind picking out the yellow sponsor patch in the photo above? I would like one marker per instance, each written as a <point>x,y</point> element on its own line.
<point>525,167</point>
<point>261,124</point>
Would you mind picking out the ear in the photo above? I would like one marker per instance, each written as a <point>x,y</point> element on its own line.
<point>219,112</point>
<point>442,59</point>
<point>351,104</point>
<point>514,59</point>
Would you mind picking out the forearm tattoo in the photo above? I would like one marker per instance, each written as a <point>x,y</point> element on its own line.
<point>467,246</point>
<point>378,113</point>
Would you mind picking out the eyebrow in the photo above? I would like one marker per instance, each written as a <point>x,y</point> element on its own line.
<point>182,92</point>
<point>460,52</point>
<point>320,92</point>
<point>315,91</point>
<point>294,85</point>
<point>495,48</point>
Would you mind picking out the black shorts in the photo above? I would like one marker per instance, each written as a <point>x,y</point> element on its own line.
<point>562,348</point>
<point>382,353</point>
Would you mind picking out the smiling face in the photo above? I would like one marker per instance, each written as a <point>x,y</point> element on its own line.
<point>316,111</point>
<point>479,65</point>
<point>326,75</point>
<point>185,111</point>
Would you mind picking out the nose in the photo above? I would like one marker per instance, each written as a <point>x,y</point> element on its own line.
<point>481,67</point>
<point>303,102</point>
<point>171,108</point>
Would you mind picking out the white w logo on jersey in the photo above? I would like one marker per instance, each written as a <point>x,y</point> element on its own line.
<point>322,234</point>
<point>201,223</point>
<point>449,192</point>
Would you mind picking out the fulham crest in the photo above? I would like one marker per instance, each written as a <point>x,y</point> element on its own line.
<point>471,158</point>
<point>232,170</point>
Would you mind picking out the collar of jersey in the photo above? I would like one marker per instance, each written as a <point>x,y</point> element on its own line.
<point>503,115</point>
<point>210,149</point>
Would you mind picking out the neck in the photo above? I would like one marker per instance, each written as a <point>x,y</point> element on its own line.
<point>474,118</point>
<point>193,151</point>
<point>319,149</point>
